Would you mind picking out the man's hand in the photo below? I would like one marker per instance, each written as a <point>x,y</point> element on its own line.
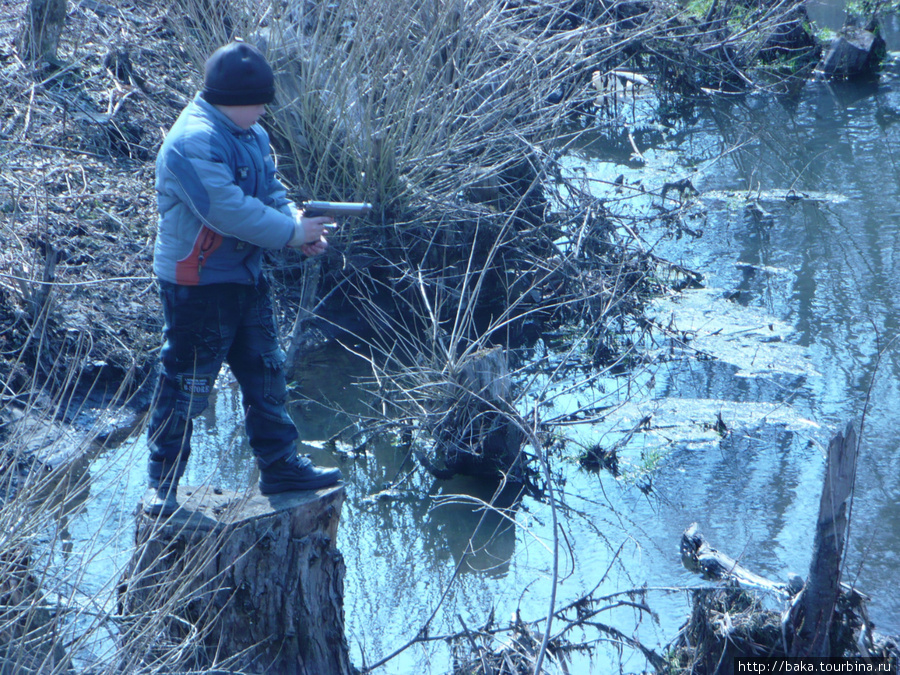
<point>309,234</point>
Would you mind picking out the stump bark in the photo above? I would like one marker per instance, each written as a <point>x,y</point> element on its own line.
<point>39,30</point>
<point>238,581</point>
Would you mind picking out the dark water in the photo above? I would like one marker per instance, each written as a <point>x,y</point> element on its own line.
<point>804,295</point>
<point>800,309</point>
<point>804,292</point>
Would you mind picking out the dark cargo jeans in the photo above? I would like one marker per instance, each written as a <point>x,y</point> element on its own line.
<point>204,327</point>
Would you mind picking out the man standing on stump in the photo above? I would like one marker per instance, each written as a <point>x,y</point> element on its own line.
<point>220,204</point>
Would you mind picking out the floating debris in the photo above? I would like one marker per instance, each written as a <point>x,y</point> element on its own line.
<point>773,196</point>
<point>703,322</point>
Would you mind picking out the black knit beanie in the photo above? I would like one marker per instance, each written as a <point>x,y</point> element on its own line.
<point>238,74</point>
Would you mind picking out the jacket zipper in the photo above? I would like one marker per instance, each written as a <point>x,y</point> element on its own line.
<point>209,238</point>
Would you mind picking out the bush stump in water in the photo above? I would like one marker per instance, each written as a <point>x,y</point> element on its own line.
<point>474,436</point>
<point>238,581</point>
<point>853,53</point>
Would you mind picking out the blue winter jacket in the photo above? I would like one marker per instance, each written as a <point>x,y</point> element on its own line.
<point>219,201</point>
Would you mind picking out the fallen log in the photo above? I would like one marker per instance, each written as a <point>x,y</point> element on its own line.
<point>697,555</point>
<point>246,582</point>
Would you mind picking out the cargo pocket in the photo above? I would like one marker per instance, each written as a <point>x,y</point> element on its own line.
<point>193,393</point>
<point>274,384</point>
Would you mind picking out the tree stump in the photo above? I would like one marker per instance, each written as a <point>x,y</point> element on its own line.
<point>237,582</point>
<point>856,51</point>
<point>813,613</point>
<point>473,434</point>
<point>39,31</point>
<point>827,617</point>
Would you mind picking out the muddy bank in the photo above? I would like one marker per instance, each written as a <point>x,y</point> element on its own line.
<point>79,319</point>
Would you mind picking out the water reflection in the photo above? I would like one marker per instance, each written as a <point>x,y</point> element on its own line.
<point>826,266</point>
<point>474,524</point>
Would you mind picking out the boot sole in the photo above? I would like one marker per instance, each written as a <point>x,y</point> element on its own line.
<point>161,509</point>
<point>296,486</point>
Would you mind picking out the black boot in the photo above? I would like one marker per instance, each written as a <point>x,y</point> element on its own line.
<point>295,473</point>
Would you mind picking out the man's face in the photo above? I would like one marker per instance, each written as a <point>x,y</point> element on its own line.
<point>245,116</point>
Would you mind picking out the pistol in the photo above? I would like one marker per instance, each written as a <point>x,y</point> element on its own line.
<point>336,209</point>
